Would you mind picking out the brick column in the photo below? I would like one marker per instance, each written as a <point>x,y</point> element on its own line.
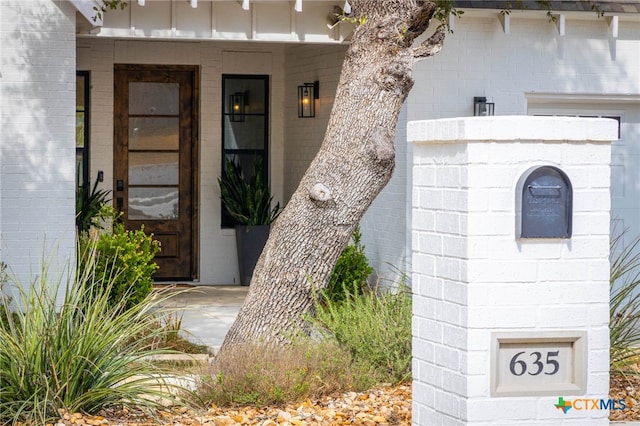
<point>478,286</point>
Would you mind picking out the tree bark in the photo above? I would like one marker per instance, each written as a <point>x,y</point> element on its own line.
<point>353,165</point>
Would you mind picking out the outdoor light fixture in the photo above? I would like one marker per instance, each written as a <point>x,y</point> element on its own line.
<point>307,95</point>
<point>237,103</point>
<point>481,107</point>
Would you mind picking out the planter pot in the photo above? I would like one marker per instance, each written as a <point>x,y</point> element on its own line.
<point>249,241</point>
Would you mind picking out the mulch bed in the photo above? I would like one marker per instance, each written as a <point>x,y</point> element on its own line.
<point>627,388</point>
<point>382,406</point>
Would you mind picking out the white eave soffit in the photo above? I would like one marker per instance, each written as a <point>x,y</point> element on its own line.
<point>88,9</point>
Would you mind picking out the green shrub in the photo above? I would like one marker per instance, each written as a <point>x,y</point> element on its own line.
<point>374,328</point>
<point>75,352</point>
<point>624,304</point>
<point>124,263</point>
<point>351,271</point>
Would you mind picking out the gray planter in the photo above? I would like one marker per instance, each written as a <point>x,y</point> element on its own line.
<point>250,241</point>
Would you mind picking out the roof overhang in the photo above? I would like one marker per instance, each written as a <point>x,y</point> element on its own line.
<point>88,9</point>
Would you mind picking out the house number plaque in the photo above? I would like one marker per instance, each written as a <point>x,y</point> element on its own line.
<point>538,364</point>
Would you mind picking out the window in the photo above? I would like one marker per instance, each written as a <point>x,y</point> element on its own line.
<point>245,125</point>
<point>82,132</point>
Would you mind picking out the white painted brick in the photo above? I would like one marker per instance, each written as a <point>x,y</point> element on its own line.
<point>598,360</point>
<point>429,330</point>
<point>477,386</point>
<point>509,248</point>
<point>503,317</point>
<point>424,307</point>
<point>447,404</point>
<point>448,313</point>
<point>571,316</point>
<point>448,358</point>
<point>567,270</point>
<point>490,224</point>
<point>424,351</point>
<point>430,374</point>
<point>423,393</point>
<point>495,409</point>
<point>454,336</point>
<point>428,286</point>
<point>455,292</point>
<point>423,264</point>
<point>502,271</point>
<point>454,200</point>
<point>599,313</point>
<point>448,222</point>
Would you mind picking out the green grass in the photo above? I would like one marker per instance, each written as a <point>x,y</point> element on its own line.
<point>363,340</point>
<point>374,328</point>
<point>77,352</point>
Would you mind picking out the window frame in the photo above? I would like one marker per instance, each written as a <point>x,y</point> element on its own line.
<point>226,221</point>
<point>84,180</point>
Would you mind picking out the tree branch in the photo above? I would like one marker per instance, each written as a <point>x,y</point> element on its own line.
<point>430,46</point>
<point>419,20</point>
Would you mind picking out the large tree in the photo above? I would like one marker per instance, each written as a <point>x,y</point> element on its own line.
<point>353,165</point>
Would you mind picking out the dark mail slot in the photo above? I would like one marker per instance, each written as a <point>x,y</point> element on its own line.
<point>545,203</point>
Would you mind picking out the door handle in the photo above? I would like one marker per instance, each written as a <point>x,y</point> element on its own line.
<point>120,203</point>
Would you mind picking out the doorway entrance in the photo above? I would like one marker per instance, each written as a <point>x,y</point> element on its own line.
<point>155,166</point>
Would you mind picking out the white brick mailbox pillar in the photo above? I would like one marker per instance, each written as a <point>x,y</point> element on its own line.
<point>511,270</point>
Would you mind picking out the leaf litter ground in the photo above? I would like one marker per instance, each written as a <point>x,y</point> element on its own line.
<point>381,406</point>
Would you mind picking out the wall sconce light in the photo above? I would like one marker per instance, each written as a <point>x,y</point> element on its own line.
<point>237,103</point>
<point>481,107</point>
<point>308,93</point>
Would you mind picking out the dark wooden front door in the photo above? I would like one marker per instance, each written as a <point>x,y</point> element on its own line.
<point>154,166</point>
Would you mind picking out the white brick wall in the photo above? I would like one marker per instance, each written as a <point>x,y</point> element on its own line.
<point>305,64</point>
<point>479,59</point>
<point>37,145</point>
<point>473,276</point>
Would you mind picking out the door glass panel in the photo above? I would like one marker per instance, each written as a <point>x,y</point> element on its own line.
<point>153,203</point>
<point>154,98</point>
<point>80,118</point>
<point>248,134</point>
<point>153,168</point>
<point>154,133</point>
<point>252,92</point>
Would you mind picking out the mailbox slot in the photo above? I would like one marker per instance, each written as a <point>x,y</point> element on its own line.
<point>544,204</point>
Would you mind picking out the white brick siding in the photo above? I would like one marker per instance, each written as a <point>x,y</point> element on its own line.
<point>479,59</point>
<point>37,142</point>
<point>472,275</point>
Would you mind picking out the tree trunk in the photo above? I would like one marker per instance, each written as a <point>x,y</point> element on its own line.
<point>354,163</point>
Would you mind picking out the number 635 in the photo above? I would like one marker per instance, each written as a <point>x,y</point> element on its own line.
<point>535,364</point>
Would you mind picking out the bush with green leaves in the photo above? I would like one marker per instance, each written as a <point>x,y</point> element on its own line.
<point>351,271</point>
<point>124,262</point>
<point>75,351</point>
<point>374,328</point>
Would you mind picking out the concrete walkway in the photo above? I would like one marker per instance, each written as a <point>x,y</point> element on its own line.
<point>208,311</point>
